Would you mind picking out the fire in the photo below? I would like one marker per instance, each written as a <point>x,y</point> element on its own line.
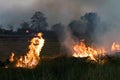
<point>31,59</point>
<point>115,46</point>
<point>81,50</point>
<point>11,59</point>
<point>27,31</point>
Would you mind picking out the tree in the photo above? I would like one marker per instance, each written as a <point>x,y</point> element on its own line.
<point>24,28</point>
<point>24,25</point>
<point>10,28</point>
<point>92,20</point>
<point>85,26</point>
<point>59,29</point>
<point>1,29</point>
<point>38,22</point>
<point>78,27</point>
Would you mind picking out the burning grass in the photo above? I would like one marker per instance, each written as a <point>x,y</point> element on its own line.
<point>31,59</point>
<point>95,54</point>
<point>64,68</point>
<point>32,56</point>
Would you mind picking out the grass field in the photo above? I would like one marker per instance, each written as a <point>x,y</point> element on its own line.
<point>61,68</point>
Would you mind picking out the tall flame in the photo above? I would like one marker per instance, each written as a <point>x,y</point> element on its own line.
<point>31,59</point>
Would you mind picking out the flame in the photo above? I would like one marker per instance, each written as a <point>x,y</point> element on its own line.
<point>11,59</point>
<point>31,59</point>
<point>27,31</point>
<point>81,50</point>
<point>115,46</point>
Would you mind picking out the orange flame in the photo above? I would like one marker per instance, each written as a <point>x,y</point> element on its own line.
<point>31,59</point>
<point>115,46</point>
<point>11,59</point>
<point>81,50</point>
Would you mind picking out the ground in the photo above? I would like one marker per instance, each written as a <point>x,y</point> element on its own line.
<point>60,68</point>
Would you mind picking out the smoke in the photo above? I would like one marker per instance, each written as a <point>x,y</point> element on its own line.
<point>103,34</point>
<point>111,35</point>
<point>64,11</point>
<point>65,37</point>
<point>14,12</point>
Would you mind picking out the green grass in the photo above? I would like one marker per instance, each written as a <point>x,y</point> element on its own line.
<point>61,68</point>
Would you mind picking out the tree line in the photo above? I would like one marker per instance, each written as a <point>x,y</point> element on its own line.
<point>84,27</point>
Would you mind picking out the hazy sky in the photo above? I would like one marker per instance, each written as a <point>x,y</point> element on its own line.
<point>15,11</point>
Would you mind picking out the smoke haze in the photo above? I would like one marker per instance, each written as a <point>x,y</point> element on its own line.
<point>15,11</point>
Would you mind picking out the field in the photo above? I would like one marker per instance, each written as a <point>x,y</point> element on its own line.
<point>59,68</point>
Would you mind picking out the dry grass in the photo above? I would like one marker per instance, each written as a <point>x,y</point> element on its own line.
<point>61,68</point>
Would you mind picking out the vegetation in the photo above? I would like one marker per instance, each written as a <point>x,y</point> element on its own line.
<point>53,64</point>
<point>59,68</point>
<point>64,69</point>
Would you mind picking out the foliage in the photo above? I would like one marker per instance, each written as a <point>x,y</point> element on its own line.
<point>24,28</point>
<point>63,69</point>
<point>85,26</point>
<point>38,22</point>
<point>56,68</point>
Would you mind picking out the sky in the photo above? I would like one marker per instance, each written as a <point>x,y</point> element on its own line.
<point>14,12</point>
